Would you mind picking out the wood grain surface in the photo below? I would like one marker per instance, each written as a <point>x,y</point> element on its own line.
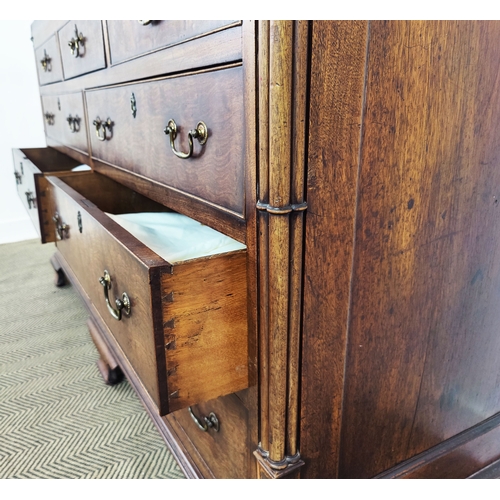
<point>337,82</point>
<point>215,172</point>
<point>91,52</point>
<point>423,343</point>
<point>205,328</point>
<point>54,72</point>
<point>129,39</point>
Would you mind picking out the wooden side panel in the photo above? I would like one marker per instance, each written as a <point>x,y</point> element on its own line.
<point>337,77</point>
<point>206,331</point>
<point>423,345</point>
<point>473,453</point>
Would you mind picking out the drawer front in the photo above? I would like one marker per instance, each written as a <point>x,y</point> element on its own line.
<point>48,62</point>
<point>24,172</point>
<point>226,452</point>
<point>136,140</point>
<point>65,120</point>
<point>129,39</point>
<point>82,47</point>
<point>92,244</point>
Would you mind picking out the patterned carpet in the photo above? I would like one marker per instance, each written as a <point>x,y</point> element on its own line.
<point>57,417</point>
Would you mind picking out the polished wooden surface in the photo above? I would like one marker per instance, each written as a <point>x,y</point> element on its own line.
<point>104,245</point>
<point>474,452</point>
<point>41,31</point>
<point>63,107</point>
<point>337,80</point>
<point>423,343</point>
<point>227,450</point>
<point>378,357</point>
<point>54,72</point>
<point>205,328</point>
<point>221,47</point>
<point>139,144</point>
<point>130,39</point>
<point>187,320</point>
<point>90,55</point>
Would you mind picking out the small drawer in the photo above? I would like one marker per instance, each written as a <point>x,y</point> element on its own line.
<point>82,47</point>
<point>219,431</point>
<point>30,167</point>
<point>48,62</point>
<point>128,129</point>
<point>182,326</point>
<point>65,120</point>
<point>129,39</point>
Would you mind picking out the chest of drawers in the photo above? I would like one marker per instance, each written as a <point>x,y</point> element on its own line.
<point>352,333</point>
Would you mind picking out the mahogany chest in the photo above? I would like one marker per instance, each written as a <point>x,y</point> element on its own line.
<point>345,323</point>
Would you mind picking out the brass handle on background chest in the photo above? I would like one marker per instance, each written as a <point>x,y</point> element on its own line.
<point>76,43</point>
<point>45,62</point>
<point>103,129</point>
<point>61,228</point>
<point>49,118</point>
<point>207,423</point>
<point>200,133</point>
<point>30,199</point>
<point>122,304</point>
<point>73,123</point>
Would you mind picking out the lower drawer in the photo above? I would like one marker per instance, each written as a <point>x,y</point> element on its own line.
<point>218,430</point>
<point>182,326</point>
<point>30,167</point>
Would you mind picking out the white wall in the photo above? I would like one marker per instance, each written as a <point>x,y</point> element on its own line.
<point>21,123</point>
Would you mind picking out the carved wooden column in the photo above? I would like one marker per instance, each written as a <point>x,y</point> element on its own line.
<point>283,77</point>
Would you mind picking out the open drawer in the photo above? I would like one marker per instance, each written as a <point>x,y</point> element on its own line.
<point>30,167</point>
<point>181,325</point>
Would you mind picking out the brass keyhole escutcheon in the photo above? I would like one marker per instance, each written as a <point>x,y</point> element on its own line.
<point>79,221</point>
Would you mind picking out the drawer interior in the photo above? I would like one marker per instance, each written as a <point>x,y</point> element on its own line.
<point>173,236</point>
<point>50,160</point>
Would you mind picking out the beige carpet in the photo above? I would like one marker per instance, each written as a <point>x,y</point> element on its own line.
<point>57,417</point>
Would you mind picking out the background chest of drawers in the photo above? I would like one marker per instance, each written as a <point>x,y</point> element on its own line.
<point>355,333</point>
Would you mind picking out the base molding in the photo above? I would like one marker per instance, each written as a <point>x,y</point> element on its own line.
<point>462,456</point>
<point>288,468</point>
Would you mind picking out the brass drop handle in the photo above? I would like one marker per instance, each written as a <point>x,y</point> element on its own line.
<point>144,23</point>
<point>207,423</point>
<point>61,227</point>
<point>200,133</point>
<point>45,62</point>
<point>101,127</point>
<point>76,43</point>
<point>121,305</point>
<point>73,123</point>
<point>49,118</point>
<point>30,199</point>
